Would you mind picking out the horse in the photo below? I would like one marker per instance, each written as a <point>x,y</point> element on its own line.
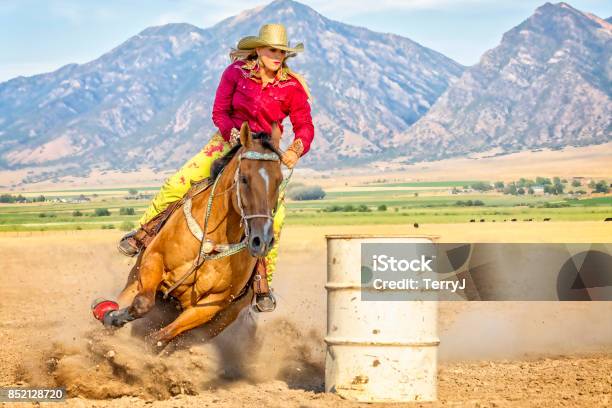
<point>238,224</point>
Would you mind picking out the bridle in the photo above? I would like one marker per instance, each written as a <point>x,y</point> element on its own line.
<point>251,155</point>
<point>246,155</point>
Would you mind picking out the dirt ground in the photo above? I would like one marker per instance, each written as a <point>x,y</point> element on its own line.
<point>492,354</point>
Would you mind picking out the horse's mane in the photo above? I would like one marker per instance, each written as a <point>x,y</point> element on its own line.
<point>223,161</point>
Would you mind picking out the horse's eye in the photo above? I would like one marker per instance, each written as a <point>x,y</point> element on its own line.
<point>243,179</point>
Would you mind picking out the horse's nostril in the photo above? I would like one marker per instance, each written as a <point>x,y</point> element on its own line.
<point>255,242</point>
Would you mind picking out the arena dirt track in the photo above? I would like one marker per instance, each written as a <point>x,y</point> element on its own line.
<point>495,354</point>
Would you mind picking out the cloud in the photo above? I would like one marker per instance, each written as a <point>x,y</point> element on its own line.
<point>203,13</point>
<point>79,12</point>
<point>6,8</point>
<point>348,7</point>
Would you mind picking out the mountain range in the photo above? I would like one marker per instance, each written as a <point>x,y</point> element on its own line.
<point>548,84</point>
<point>147,102</point>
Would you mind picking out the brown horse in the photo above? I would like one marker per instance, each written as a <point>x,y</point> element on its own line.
<point>245,194</point>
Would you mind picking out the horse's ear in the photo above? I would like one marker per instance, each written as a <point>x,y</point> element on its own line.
<point>245,135</point>
<point>275,136</point>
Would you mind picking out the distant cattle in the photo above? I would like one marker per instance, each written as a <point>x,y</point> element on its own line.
<point>514,219</point>
<point>608,219</point>
<point>473,220</point>
<point>482,220</point>
<point>546,219</point>
<point>416,225</point>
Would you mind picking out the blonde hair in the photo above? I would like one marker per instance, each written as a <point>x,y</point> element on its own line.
<point>246,55</point>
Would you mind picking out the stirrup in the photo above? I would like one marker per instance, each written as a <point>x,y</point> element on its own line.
<point>126,247</point>
<point>265,302</point>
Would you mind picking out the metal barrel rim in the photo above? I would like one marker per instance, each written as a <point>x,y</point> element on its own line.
<point>343,341</point>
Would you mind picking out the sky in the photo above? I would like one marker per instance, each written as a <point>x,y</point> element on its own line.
<point>39,36</point>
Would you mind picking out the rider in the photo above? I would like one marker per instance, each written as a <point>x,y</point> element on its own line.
<point>257,87</point>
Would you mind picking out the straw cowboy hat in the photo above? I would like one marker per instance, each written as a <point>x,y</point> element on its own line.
<point>270,35</point>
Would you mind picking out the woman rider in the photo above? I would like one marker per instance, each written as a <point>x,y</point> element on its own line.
<point>257,87</point>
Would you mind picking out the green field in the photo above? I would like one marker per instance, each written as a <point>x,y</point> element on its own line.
<point>402,206</point>
<point>437,184</point>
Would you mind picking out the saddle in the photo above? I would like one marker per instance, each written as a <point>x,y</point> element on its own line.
<point>152,228</point>
<point>155,225</point>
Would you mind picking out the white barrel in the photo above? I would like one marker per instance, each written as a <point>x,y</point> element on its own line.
<point>377,351</point>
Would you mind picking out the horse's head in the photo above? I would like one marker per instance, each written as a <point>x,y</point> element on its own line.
<point>258,179</point>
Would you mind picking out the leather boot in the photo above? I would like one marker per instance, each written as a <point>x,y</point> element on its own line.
<point>135,241</point>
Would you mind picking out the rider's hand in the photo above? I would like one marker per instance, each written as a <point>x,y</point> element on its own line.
<point>290,158</point>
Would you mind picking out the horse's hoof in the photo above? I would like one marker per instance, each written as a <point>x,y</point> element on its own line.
<point>101,307</point>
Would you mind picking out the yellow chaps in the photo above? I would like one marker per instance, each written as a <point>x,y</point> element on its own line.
<point>197,168</point>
